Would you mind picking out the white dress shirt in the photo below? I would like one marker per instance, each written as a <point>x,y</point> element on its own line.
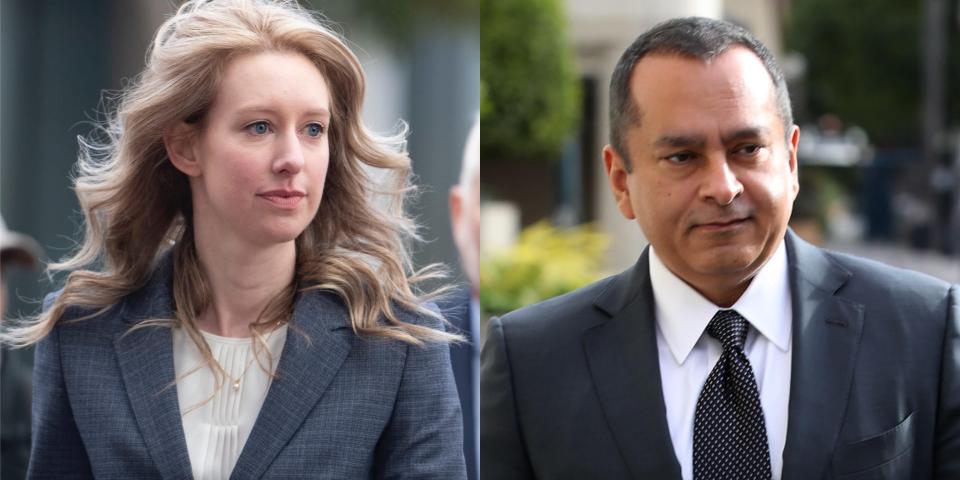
<point>688,354</point>
<point>216,430</point>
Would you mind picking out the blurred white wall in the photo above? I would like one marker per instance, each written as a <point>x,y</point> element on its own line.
<point>386,101</point>
<point>761,17</point>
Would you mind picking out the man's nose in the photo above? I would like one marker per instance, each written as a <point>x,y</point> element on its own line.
<point>719,182</point>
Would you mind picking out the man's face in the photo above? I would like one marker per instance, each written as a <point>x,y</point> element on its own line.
<point>713,178</point>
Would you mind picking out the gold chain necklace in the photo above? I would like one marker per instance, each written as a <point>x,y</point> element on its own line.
<point>236,380</point>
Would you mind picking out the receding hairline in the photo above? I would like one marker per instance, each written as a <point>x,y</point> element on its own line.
<point>632,113</point>
<point>668,53</point>
<point>692,37</point>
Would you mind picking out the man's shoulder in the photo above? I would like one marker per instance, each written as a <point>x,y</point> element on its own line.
<point>868,275</point>
<point>859,279</point>
<point>892,294</point>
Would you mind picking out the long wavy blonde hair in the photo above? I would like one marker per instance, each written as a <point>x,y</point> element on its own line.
<point>137,205</point>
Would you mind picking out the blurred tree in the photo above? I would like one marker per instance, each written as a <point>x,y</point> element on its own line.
<point>953,66</point>
<point>530,93</point>
<point>545,262</point>
<point>863,64</point>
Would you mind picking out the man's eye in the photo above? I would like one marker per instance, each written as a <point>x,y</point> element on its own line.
<point>258,128</point>
<point>749,149</point>
<point>314,129</point>
<point>679,158</point>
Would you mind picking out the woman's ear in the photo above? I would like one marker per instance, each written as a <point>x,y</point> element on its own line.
<point>180,142</point>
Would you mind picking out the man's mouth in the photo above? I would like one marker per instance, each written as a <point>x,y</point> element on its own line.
<point>723,223</point>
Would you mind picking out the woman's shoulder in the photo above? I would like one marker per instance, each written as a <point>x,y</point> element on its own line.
<point>147,302</point>
<point>337,309</point>
<point>151,299</point>
<point>87,318</point>
<point>426,314</point>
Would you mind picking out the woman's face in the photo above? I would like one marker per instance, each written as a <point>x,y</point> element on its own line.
<point>262,152</point>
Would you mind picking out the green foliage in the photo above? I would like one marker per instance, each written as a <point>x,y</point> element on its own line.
<point>531,96</point>
<point>546,262</point>
<point>863,63</point>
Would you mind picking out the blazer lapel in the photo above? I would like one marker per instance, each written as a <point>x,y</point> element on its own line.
<point>145,357</point>
<point>318,341</point>
<point>622,355</point>
<point>826,336</point>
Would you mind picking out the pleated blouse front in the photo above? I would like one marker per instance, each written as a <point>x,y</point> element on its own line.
<point>216,430</point>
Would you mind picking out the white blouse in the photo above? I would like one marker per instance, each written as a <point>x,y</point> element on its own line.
<point>216,430</point>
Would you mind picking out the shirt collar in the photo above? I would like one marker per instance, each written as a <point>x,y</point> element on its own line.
<point>683,313</point>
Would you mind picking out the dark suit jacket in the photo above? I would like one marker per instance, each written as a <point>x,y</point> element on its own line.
<point>341,406</point>
<point>571,387</point>
<point>457,310</point>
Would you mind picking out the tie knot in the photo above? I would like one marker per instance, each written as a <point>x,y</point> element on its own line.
<point>729,327</point>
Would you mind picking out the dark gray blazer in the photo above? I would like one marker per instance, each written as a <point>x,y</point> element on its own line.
<point>341,406</point>
<point>571,387</point>
<point>457,310</point>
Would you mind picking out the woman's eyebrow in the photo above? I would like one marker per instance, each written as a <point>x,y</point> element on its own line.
<point>321,112</point>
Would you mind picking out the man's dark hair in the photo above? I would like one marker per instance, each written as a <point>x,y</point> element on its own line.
<point>692,37</point>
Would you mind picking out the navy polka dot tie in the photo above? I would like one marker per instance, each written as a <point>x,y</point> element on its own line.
<point>729,435</point>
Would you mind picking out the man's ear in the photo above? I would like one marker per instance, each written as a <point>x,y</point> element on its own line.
<point>456,214</point>
<point>180,142</point>
<point>617,173</point>
<point>794,166</point>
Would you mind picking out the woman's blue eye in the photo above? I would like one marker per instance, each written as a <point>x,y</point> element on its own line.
<point>258,128</point>
<point>314,129</point>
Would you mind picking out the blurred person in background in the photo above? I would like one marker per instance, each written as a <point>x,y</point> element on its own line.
<point>462,309</point>
<point>732,348</point>
<point>16,251</point>
<point>219,319</point>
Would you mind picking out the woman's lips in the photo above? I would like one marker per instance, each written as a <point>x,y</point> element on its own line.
<point>283,199</point>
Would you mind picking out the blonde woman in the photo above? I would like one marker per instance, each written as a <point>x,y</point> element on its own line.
<point>241,305</point>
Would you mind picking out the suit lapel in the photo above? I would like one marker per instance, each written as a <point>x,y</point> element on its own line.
<point>826,336</point>
<point>318,341</point>
<point>145,357</point>
<point>622,357</point>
